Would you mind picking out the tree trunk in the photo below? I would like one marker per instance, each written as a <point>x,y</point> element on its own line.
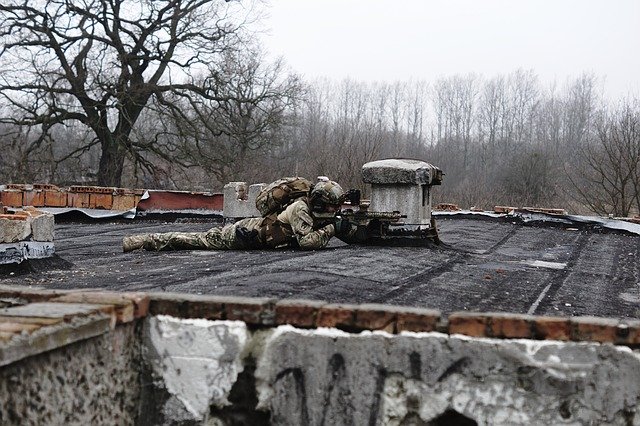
<point>111,162</point>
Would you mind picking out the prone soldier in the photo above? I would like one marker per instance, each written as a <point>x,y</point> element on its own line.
<point>306,222</point>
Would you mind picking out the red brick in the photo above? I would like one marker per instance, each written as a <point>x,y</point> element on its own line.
<point>11,198</point>
<point>417,320</point>
<point>55,199</point>
<point>45,186</point>
<point>336,315</point>
<point>78,199</point>
<point>33,198</point>
<point>182,305</point>
<point>594,329</point>
<point>257,311</point>
<point>552,328</point>
<point>469,324</point>
<point>180,200</point>
<point>376,317</point>
<point>299,313</point>
<point>140,303</point>
<point>14,216</point>
<point>510,325</point>
<point>124,201</point>
<point>17,186</point>
<point>100,201</point>
<point>629,332</point>
<point>504,209</point>
<point>168,304</point>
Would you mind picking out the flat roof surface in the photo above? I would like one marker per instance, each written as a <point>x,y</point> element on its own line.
<point>487,265</point>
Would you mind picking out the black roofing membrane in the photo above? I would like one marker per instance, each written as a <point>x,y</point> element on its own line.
<point>484,266</point>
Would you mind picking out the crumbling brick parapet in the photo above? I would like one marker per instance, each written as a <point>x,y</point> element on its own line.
<point>267,312</point>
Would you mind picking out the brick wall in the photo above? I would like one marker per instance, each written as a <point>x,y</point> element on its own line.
<point>270,353</point>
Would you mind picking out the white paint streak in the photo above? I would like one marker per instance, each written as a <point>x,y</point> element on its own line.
<point>545,264</point>
<point>535,304</point>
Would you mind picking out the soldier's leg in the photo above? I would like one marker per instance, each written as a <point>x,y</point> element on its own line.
<point>172,241</point>
<point>213,239</point>
<point>208,240</point>
<point>229,234</point>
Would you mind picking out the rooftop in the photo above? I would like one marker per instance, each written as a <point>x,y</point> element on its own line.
<point>487,264</point>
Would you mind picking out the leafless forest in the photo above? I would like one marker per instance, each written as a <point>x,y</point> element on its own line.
<point>178,95</point>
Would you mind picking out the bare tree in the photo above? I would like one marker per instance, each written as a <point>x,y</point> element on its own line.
<point>610,175</point>
<point>225,136</point>
<point>100,62</point>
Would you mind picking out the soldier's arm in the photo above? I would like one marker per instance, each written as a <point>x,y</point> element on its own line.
<point>302,226</point>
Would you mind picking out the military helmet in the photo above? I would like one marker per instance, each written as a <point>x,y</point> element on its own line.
<point>325,193</point>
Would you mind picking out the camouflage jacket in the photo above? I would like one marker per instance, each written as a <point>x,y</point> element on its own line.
<point>309,234</point>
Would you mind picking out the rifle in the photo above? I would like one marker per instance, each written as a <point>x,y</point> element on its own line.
<point>380,228</point>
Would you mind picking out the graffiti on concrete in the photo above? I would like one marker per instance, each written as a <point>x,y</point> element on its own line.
<point>318,378</point>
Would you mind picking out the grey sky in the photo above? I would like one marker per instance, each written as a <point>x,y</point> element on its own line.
<point>389,40</point>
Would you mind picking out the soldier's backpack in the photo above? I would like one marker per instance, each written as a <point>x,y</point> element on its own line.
<point>276,196</point>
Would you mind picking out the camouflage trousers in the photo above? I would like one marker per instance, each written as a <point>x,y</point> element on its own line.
<point>214,239</point>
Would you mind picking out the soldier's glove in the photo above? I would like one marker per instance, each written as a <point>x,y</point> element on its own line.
<point>247,239</point>
<point>343,226</point>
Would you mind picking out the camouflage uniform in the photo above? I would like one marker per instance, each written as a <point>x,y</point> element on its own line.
<point>296,222</point>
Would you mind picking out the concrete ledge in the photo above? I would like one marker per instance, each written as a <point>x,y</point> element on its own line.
<point>41,335</point>
<point>268,312</point>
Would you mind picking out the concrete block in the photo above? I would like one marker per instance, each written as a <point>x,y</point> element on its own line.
<point>42,227</point>
<point>196,360</point>
<point>40,321</point>
<point>240,200</point>
<point>417,319</point>
<point>64,311</point>
<point>18,327</point>
<point>31,295</point>
<point>299,313</point>
<point>337,315</point>
<point>469,324</point>
<point>14,228</point>
<point>400,171</point>
<point>123,306</point>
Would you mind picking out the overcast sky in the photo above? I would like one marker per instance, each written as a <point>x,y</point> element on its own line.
<point>390,40</point>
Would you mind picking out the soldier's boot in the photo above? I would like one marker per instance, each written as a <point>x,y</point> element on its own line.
<point>133,242</point>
